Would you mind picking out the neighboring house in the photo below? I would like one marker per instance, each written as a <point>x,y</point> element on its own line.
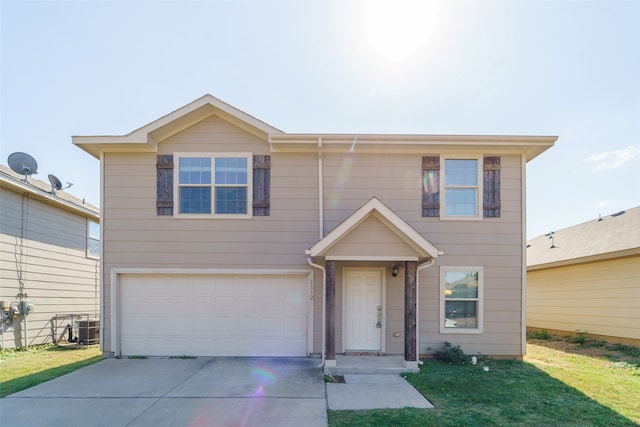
<point>49,257</point>
<point>587,278</point>
<point>226,236</point>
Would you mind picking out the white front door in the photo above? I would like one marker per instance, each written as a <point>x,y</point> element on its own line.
<point>363,309</point>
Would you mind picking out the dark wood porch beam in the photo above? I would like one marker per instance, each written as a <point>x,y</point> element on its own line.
<point>330,353</point>
<point>410,315</point>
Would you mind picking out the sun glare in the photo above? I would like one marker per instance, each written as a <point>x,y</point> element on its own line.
<point>399,30</point>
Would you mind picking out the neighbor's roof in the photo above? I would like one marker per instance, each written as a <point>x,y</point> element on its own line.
<point>612,236</point>
<point>147,138</point>
<point>42,191</point>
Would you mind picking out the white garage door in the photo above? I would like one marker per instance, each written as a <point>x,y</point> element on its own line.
<point>213,315</point>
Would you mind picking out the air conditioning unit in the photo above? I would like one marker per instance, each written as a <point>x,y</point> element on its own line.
<point>89,331</point>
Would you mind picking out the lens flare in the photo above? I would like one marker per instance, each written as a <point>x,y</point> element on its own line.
<point>263,376</point>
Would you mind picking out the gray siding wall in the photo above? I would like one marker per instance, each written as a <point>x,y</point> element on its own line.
<point>46,247</point>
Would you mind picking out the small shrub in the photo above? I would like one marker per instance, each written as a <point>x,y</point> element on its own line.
<point>182,357</point>
<point>579,338</point>
<point>452,354</point>
<point>137,357</point>
<point>540,335</point>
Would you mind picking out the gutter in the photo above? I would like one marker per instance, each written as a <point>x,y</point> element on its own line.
<point>324,303</point>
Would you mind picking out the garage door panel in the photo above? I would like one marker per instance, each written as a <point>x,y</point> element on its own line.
<point>213,315</point>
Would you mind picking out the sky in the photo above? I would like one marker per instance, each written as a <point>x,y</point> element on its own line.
<point>564,68</point>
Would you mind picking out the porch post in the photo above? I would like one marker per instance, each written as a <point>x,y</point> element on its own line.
<point>330,353</point>
<point>410,351</point>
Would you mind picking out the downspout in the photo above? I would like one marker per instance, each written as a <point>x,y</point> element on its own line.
<point>320,192</point>
<point>425,264</point>
<point>324,302</point>
<point>523,285</point>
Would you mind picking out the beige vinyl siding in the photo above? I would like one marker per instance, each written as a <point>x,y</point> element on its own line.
<point>372,239</point>
<point>602,298</point>
<point>493,243</point>
<point>51,256</point>
<point>137,238</point>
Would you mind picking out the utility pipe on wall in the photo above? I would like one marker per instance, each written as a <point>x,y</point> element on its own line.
<point>426,264</point>
<point>320,191</point>
<point>324,303</point>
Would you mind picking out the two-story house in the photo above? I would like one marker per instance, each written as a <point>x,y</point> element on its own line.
<point>223,235</point>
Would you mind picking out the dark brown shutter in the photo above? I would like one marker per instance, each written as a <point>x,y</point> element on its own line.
<point>261,185</point>
<point>164,201</point>
<point>491,186</point>
<point>431,186</point>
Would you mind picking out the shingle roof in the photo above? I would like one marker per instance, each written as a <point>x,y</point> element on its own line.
<point>609,237</point>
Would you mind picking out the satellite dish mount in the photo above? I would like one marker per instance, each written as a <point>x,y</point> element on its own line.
<point>23,164</point>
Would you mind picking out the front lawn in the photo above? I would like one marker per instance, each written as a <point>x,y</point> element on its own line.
<point>552,387</point>
<point>21,369</point>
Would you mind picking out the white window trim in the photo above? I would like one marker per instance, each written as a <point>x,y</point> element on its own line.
<point>89,239</point>
<point>480,308</point>
<point>479,195</point>
<point>212,155</point>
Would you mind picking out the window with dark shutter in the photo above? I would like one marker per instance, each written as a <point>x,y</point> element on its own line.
<point>431,186</point>
<point>261,185</point>
<point>491,187</point>
<point>164,199</point>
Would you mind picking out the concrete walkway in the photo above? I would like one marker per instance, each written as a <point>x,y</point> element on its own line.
<point>371,391</point>
<point>372,382</point>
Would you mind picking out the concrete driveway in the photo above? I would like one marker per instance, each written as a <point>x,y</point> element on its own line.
<point>176,392</point>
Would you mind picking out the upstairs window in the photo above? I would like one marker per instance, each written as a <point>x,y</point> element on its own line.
<point>93,239</point>
<point>461,188</point>
<point>216,184</point>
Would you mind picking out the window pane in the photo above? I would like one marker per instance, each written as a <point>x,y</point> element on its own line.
<point>461,314</point>
<point>231,200</point>
<point>194,170</point>
<point>94,248</point>
<point>94,230</point>
<point>461,201</point>
<point>231,170</point>
<point>461,172</point>
<point>461,284</point>
<point>195,200</point>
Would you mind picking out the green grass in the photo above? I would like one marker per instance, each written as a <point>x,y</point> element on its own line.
<point>552,387</point>
<point>21,369</point>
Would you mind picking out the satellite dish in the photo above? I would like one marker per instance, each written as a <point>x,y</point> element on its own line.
<point>23,164</point>
<point>56,184</point>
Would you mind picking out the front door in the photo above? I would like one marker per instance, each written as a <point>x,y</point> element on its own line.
<point>363,309</point>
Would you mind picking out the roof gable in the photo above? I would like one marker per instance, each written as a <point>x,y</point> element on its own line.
<point>371,215</point>
<point>146,138</point>
<point>607,237</point>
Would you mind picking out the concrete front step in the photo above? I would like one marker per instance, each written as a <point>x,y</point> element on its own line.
<point>377,365</point>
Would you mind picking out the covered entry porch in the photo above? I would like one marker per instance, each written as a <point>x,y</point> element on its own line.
<point>370,265</point>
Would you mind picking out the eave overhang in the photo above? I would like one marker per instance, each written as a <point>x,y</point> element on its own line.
<point>61,200</point>
<point>530,146</point>
<point>423,248</point>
